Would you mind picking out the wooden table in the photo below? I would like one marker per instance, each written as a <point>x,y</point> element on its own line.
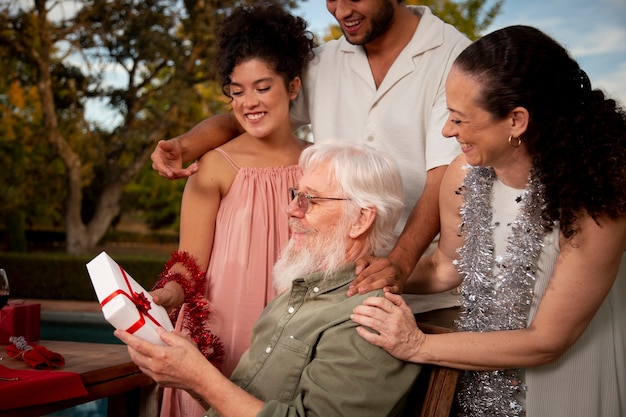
<point>106,371</point>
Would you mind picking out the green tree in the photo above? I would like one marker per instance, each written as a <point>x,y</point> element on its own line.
<point>66,49</point>
<point>470,16</point>
<point>27,163</point>
<point>154,199</point>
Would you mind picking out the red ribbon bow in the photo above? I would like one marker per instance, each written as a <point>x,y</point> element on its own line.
<point>140,301</point>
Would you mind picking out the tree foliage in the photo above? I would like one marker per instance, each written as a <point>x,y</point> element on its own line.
<point>25,193</point>
<point>63,53</point>
<point>467,16</point>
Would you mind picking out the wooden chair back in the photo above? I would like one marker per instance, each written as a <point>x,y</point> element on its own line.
<point>434,392</point>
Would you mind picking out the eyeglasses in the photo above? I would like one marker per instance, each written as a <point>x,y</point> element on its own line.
<point>303,199</point>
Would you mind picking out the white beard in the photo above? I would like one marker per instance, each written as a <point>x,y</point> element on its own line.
<point>324,255</point>
<point>292,264</point>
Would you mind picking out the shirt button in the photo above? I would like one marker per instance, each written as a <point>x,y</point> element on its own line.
<point>291,310</point>
<point>370,138</point>
<point>268,349</point>
<point>316,289</point>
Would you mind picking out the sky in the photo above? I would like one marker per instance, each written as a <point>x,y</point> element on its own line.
<point>593,31</point>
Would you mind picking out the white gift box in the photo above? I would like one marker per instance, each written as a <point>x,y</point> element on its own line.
<point>126,304</point>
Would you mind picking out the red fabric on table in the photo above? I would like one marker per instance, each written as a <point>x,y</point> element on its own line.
<point>39,357</point>
<point>37,387</point>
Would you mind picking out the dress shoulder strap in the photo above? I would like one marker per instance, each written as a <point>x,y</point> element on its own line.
<point>228,158</point>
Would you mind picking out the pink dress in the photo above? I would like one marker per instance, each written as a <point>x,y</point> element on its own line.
<point>251,229</point>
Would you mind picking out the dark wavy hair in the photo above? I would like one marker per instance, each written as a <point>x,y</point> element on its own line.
<point>265,31</point>
<point>576,136</point>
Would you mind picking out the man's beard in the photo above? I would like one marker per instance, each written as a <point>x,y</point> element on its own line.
<point>381,22</point>
<point>322,254</point>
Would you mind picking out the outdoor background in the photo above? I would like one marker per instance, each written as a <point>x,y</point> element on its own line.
<point>87,88</point>
<point>594,31</point>
<point>85,96</point>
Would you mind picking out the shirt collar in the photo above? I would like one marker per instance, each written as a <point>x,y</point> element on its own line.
<point>429,34</point>
<point>338,277</point>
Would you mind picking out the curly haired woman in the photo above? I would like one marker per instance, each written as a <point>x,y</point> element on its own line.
<point>537,244</point>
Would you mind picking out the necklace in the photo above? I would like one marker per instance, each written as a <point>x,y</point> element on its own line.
<point>491,300</point>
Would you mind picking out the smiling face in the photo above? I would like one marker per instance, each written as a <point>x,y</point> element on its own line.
<point>260,99</point>
<point>323,217</point>
<point>483,140</point>
<point>362,21</point>
<point>320,237</point>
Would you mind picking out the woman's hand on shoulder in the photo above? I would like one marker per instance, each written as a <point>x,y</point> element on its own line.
<point>393,324</point>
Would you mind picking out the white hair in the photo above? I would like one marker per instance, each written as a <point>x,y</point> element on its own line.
<point>368,177</point>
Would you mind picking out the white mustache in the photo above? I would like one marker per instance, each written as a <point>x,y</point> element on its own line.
<point>297,227</point>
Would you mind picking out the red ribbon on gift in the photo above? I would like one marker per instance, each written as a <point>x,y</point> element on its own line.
<point>140,301</point>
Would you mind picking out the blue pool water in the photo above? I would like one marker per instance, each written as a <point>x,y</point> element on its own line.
<point>76,326</point>
<point>96,408</point>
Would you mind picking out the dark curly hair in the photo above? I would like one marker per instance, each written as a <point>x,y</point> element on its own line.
<point>576,136</point>
<point>265,31</point>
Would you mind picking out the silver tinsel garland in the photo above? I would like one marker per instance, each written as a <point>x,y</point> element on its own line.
<point>493,302</point>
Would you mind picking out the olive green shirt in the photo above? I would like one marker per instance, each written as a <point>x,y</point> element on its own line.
<point>306,358</point>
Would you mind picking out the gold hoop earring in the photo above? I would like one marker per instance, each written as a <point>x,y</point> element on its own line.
<point>515,145</point>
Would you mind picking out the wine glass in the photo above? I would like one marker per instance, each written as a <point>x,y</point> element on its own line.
<point>4,288</point>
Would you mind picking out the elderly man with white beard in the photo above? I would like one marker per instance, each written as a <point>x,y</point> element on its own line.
<point>306,357</point>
